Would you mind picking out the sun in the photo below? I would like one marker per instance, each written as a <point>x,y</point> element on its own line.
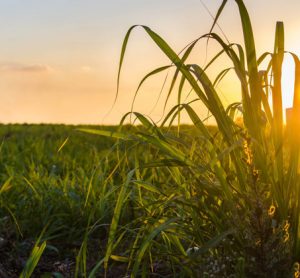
<point>288,79</point>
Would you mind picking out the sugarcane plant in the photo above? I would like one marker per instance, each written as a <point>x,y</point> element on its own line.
<point>231,196</point>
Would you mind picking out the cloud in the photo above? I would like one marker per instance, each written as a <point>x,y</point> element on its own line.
<point>25,68</point>
<point>86,69</point>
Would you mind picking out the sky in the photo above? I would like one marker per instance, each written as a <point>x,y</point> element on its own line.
<point>59,58</point>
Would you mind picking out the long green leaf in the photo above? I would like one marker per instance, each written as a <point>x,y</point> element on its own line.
<point>116,216</point>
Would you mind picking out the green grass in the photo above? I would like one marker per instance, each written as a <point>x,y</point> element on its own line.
<point>68,189</point>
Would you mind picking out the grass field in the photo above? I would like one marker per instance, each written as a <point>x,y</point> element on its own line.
<point>62,184</point>
<point>65,190</point>
<point>167,200</point>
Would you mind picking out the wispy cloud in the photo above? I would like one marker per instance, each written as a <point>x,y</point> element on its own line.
<point>26,68</point>
<point>86,69</point>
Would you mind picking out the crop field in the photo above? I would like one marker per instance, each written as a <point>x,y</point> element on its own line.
<point>62,185</point>
<point>65,191</point>
<point>163,199</point>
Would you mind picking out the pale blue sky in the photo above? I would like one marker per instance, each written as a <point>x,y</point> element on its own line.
<point>58,58</point>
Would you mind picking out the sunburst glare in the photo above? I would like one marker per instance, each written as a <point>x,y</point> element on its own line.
<point>288,79</point>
